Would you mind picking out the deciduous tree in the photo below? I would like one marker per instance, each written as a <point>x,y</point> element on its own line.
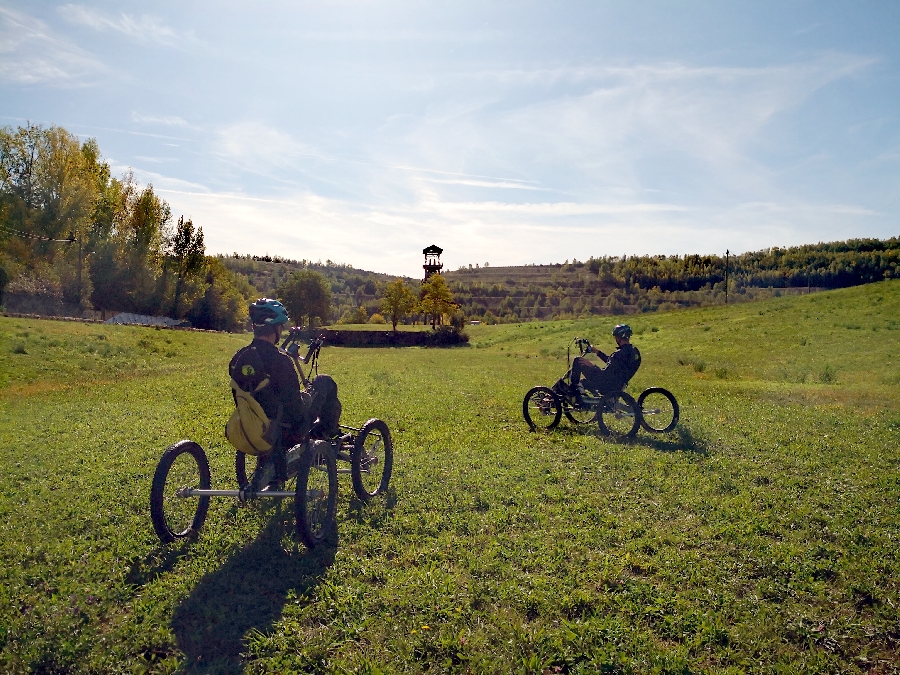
<point>398,301</point>
<point>306,294</point>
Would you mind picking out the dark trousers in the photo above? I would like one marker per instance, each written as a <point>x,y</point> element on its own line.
<point>595,378</point>
<point>324,405</point>
<point>322,413</point>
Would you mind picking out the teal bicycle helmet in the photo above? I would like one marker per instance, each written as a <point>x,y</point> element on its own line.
<point>623,330</point>
<point>268,312</point>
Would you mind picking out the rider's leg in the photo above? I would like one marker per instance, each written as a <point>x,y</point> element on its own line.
<point>580,366</point>
<point>325,404</point>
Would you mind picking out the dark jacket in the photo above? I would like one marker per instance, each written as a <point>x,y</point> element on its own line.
<point>621,365</point>
<point>283,391</point>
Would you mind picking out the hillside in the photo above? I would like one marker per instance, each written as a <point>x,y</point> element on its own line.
<point>761,534</point>
<point>608,285</point>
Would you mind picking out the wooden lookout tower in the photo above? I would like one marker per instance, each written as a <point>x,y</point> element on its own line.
<point>433,264</point>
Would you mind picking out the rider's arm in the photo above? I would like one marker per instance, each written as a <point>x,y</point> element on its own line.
<point>603,357</point>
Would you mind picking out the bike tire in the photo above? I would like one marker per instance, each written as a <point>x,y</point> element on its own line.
<point>541,408</point>
<point>659,410</point>
<point>373,445</point>
<point>620,416</point>
<point>315,500</point>
<point>580,416</point>
<point>183,464</point>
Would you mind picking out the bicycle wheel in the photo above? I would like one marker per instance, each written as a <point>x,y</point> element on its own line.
<point>315,500</point>
<point>183,465</point>
<point>620,416</point>
<point>372,460</point>
<point>659,410</point>
<point>580,415</point>
<point>541,408</point>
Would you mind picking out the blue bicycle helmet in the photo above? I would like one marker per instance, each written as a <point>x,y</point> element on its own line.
<point>623,330</point>
<point>268,312</point>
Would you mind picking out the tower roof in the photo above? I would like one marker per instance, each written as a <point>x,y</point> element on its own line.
<point>436,250</point>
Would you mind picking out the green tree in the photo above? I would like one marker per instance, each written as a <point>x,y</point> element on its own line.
<point>48,190</point>
<point>398,302</point>
<point>306,294</point>
<point>187,257</point>
<point>222,305</point>
<point>356,315</point>
<point>437,300</point>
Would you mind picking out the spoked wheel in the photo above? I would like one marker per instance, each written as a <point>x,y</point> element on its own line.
<point>372,460</point>
<point>580,415</point>
<point>620,416</point>
<point>541,408</point>
<point>659,410</point>
<point>315,500</point>
<point>183,465</point>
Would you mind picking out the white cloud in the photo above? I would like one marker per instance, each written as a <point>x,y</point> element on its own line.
<point>169,120</point>
<point>144,28</point>
<point>31,53</point>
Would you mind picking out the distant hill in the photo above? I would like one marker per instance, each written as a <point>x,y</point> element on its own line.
<point>609,285</point>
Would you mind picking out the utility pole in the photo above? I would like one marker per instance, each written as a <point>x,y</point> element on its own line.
<point>727,252</point>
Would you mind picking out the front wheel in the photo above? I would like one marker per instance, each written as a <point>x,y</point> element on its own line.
<point>372,460</point>
<point>541,408</point>
<point>183,465</point>
<point>659,410</point>
<point>620,416</point>
<point>315,500</point>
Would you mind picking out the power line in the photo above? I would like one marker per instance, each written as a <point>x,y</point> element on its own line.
<point>26,235</point>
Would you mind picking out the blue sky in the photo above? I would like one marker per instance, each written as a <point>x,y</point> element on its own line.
<point>507,133</point>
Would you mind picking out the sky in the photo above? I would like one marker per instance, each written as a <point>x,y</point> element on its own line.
<point>507,133</point>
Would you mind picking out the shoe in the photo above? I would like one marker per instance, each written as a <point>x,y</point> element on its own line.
<point>274,485</point>
<point>575,395</point>
<point>342,439</point>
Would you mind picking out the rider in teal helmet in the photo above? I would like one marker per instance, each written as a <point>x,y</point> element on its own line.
<point>621,366</point>
<point>267,312</point>
<point>299,414</point>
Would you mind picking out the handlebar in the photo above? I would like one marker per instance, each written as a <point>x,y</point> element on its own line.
<point>584,345</point>
<point>291,346</point>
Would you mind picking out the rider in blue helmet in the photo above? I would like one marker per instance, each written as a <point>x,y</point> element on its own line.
<point>621,366</point>
<point>295,411</point>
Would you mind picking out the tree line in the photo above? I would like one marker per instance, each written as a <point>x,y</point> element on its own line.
<point>73,235</point>
<point>629,284</point>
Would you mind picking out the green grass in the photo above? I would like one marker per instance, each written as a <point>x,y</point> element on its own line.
<point>760,536</point>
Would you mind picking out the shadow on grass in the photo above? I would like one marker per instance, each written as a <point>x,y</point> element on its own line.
<point>375,512</point>
<point>160,560</point>
<point>247,593</point>
<point>679,440</point>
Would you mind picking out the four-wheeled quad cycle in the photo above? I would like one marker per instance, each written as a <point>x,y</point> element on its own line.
<point>617,413</point>
<point>182,486</point>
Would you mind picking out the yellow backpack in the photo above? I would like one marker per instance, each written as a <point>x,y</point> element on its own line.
<point>248,427</point>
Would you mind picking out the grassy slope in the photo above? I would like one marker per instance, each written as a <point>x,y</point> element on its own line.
<point>760,537</point>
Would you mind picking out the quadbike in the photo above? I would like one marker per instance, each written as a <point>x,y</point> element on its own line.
<point>181,489</point>
<point>617,414</point>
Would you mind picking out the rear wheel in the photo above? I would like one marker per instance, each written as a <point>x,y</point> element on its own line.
<point>659,410</point>
<point>183,465</point>
<point>620,416</point>
<point>315,500</point>
<point>541,408</point>
<point>372,460</point>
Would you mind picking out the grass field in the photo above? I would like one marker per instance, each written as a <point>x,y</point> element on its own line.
<point>761,535</point>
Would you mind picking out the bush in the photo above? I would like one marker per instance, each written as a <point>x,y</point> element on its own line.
<point>377,318</point>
